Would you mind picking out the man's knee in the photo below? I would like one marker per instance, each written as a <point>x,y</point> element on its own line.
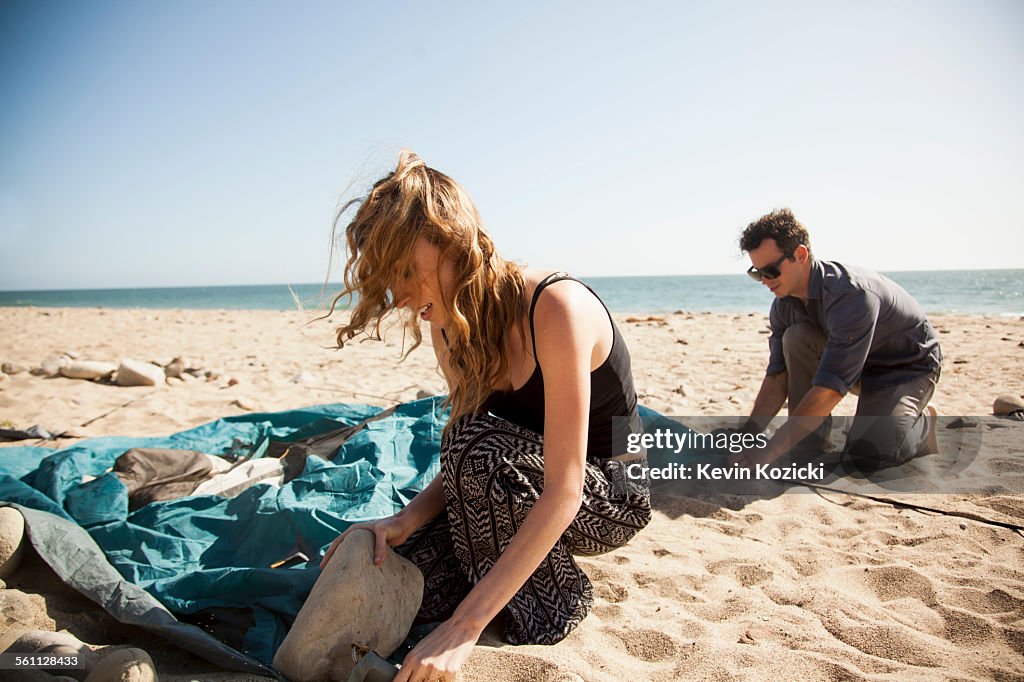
<point>802,342</point>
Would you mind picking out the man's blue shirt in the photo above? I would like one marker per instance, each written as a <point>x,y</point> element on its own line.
<point>876,332</point>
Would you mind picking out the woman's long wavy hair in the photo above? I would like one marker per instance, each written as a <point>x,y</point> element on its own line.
<point>417,201</point>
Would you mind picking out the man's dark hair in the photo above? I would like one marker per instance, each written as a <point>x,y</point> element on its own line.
<point>779,225</point>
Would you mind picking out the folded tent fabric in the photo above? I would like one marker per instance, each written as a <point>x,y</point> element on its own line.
<point>155,474</point>
<point>202,553</point>
<point>207,558</point>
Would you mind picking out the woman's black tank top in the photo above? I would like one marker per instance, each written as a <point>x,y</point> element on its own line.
<point>611,390</point>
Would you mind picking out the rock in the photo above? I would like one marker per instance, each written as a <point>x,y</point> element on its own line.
<point>20,611</point>
<point>88,369</point>
<point>306,378</point>
<point>684,389</point>
<point>425,393</point>
<point>52,365</point>
<point>175,367</point>
<point>137,373</point>
<point>12,540</point>
<point>12,368</point>
<point>380,603</point>
<point>213,374</point>
<point>1006,404</point>
<point>52,643</point>
<point>243,403</point>
<point>124,665</point>
<point>233,381</point>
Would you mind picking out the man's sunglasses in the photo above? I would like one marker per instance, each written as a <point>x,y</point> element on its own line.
<point>770,271</point>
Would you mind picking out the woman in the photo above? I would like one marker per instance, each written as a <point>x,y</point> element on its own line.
<point>536,371</point>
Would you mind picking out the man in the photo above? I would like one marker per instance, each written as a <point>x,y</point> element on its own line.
<point>837,328</point>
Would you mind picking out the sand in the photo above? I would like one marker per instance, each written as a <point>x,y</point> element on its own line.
<point>782,586</point>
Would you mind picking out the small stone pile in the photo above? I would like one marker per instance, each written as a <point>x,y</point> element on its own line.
<point>126,372</point>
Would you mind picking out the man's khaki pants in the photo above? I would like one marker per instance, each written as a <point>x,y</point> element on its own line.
<point>891,425</point>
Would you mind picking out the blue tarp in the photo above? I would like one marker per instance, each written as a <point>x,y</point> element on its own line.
<point>201,552</point>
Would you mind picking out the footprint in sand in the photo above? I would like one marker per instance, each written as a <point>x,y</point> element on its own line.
<point>487,665</point>
<point>895,582</point>
<point>745,574</point>
<point>647,645</point>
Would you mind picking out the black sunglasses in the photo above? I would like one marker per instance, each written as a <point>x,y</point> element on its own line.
<point>770,271</point>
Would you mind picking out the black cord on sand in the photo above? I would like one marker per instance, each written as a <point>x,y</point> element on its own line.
<point>96,419</point>
<point>920,507</point>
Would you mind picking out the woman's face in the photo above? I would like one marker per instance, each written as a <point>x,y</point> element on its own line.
<point>421,289</point>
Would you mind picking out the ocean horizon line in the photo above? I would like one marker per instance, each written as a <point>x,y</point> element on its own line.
<point>740,274</point>
<point>994,291</point>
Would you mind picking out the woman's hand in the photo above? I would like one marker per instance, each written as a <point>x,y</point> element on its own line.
<point>387,531</point>
<point>440,655</point>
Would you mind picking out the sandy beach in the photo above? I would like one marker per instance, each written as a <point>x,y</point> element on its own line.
<point>791,586</point>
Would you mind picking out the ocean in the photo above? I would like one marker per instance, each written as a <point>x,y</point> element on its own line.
<point>989,292</point>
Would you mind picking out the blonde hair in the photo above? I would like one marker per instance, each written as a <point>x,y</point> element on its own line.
<point>416,201</point>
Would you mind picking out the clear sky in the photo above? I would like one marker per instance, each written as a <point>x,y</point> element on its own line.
<point>204,143</point>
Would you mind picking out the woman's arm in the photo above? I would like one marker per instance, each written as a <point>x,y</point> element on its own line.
<point>568,322</point>
<point>428,503</point>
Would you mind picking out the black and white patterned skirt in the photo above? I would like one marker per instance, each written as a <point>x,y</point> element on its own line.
<point>493,473</point>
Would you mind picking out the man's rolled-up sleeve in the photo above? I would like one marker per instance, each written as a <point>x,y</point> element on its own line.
<point>850,326</point>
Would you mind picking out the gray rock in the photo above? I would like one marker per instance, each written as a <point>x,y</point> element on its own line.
<point>124,665</point>
<point>12,368</point>
<point>353,604</point>
<point>54,643</point>
<point>88,369</point>
<point>137,373</point>
<point>12,540</point>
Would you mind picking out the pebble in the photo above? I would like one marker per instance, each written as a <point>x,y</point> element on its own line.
<point>306,378</point>
<point>12,368</point>
<point>244,403</point>
<point>175,368</point>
